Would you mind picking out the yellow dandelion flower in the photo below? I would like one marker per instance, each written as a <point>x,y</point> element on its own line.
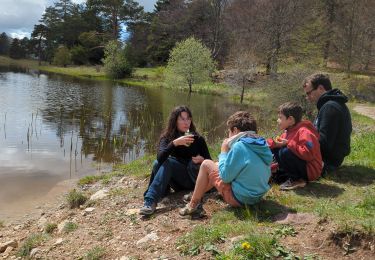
<point>246,245</point>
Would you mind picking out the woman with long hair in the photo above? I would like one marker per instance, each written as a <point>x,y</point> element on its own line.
<point>181,150</point>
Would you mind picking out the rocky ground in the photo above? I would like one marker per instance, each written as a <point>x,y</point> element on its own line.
<point>108,225</point>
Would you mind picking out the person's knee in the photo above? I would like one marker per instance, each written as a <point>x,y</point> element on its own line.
<point>285,154</point>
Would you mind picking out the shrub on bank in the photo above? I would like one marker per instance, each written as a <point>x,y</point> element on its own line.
<point>116,65</point>
<point>76,199</point>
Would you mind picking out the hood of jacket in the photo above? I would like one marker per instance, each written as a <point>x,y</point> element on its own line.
<point>305,123</point>
<point>333,94</point>
<point>259,146</point>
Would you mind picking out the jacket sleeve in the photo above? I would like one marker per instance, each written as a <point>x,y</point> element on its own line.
<point>303,145</point>
<point>203,149</point>
<point>165,149</point>
<point>271,142</point>
<point>229,164</point>
<point>328,128</point>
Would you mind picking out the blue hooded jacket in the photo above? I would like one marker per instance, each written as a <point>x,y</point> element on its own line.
<point>246,166</point>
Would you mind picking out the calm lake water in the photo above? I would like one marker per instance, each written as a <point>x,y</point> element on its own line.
<point>55,128</point>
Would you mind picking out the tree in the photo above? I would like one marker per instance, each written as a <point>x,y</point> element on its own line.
<point>191,62</point>
<point>62,56</point>
<point>15,51</point>
<point>39,34</point>
<point>4,44</point>
<point>115,63</point>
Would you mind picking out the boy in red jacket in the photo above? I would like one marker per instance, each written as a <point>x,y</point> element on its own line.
<point>297,150</point>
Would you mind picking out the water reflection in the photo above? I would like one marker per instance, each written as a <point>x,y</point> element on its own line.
<point>59,126</point>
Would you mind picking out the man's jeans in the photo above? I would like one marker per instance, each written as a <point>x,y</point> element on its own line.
<point>178,174</point>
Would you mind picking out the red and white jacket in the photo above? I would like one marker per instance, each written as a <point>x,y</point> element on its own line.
<point>303,141</point>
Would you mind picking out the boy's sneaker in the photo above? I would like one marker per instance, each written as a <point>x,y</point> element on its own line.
<point>291,185</point>
<point>197,212</point>
<point>187,197</point>
<point>148,208</point>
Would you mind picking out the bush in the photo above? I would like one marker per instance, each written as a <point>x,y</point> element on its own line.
<point>50,227</point>
<point>62,56</point>
<point>362,91</point>
<point>190,62</point>
<point>95,253</point>
<point>76,199</point>
<point>31,242</point>
<point>115,63</point>
<point>79,55</point>
<point>70,227</point>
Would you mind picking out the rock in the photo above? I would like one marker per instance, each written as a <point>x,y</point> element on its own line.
<point>149,237</point>
<point>130,212</point>
<point>42,222</point>
<point>90,209</point>
<point>34,252</point>
<point>58,241</point>
<point>61,226</point>
<point>101,194</point>
<point>8,250</point>
<point>122,180</point>
<point>18,227</point>
<point>124,258</point>
<point>12,243</point>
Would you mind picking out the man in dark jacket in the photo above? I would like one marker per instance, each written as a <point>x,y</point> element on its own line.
<point>333,121</point>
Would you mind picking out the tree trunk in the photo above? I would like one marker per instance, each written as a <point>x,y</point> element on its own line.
<point>243,88</point>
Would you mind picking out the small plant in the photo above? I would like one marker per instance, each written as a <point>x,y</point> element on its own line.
<point>76,199</point>
<point>1,224</point>
<point>285,231</point>
<point>89,180</point>
<point>70,227</point>
<point>50,227</point>
<point>95,253</point>
<point>31,242</point>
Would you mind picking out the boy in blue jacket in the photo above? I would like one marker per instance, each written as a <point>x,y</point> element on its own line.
<point>243,171</point>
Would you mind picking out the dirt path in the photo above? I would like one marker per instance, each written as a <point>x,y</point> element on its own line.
<point>365,110</point>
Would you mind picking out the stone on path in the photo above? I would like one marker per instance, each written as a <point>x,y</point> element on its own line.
<point>90,209</point>
<point>61,226</point>
<point>34,252</point>
<point>58,241</point>
<point>130,212</point>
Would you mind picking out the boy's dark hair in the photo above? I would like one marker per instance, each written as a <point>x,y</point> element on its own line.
<point>291,109</point>
<point>243,121</point>
<point>318,79</point>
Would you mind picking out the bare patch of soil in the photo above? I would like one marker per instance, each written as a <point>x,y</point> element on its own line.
<point>365,110</point>
<point>115,226</point>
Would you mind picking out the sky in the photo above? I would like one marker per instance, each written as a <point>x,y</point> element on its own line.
<point>18,17</point>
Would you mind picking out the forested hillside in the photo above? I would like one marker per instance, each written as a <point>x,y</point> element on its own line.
<point>335,33</point>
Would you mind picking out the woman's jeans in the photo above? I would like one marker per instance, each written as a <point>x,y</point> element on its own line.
<point>173,173</point>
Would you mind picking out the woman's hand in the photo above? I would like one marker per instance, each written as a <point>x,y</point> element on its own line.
<point>280,142</point>
<point>197,159</point>
<point>184,140</point>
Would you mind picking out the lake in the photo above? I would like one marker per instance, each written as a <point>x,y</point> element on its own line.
<point>56,129</point>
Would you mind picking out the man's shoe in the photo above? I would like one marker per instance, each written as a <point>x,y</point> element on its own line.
<point>291,185</point>
<point>148,208</point>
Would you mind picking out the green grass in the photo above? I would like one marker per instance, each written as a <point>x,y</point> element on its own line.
<point>75,199</point>
<point>31,242</point>
<point>95,253</point>
<point>70,227</point>
<point>50,227</point>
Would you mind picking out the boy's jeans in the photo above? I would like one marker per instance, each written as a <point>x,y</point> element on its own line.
<point>178,174</point>
<point>294,167</point>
